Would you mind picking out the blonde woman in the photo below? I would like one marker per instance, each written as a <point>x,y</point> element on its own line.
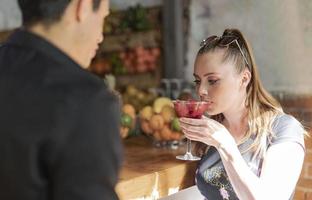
<point>256,151</point>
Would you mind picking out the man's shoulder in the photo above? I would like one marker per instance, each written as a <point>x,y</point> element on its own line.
<point>75,86</point>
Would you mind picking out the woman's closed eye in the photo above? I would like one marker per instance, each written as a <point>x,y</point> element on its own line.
<point>210,81</point>
<point>213,81</point>
<point>197,82</point>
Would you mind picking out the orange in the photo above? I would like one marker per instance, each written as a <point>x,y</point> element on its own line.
<point>145,126</point>
<point>165,133</point>
<point>157,122</point>
<point>129,109</point>
<point>124,132</point>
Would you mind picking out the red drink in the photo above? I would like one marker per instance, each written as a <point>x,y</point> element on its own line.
<point>190,109</point>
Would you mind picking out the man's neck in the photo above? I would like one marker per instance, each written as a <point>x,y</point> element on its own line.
<point>58,37</point>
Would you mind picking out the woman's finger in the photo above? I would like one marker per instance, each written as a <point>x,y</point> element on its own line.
<point>193,135</point>
<point>204,122</point>
<point>197,137</point>
<point>190,121</point>
<point>195,129</point>
<point>214,124</point>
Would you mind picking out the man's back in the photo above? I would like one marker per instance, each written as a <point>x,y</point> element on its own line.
<point>59,125</point>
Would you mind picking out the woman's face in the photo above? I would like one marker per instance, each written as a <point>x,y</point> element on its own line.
<point>218,82</point>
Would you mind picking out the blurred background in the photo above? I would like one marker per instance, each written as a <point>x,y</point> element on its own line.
<point>150,46</point>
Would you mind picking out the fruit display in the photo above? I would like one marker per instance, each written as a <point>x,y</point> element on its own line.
<point>137,97</point>
<point>132,42</point>
<point>160,103</point>
<point>129,61</point>
<point>100,66</point>
<point>140,59</point>
<point>135,18</point>
<point>127,120</point>
<point>159,120</point>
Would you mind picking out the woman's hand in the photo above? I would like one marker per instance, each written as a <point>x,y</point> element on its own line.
<point>208,131</point>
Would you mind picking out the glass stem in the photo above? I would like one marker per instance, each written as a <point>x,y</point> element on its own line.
<point>188,146</point>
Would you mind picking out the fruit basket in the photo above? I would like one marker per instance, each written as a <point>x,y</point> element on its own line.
<point>128,121</point>
<point>160,123</point>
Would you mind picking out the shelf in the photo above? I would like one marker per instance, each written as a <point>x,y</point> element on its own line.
<point>143,80</point>
<point>132,44</point>
<point>113,43</point>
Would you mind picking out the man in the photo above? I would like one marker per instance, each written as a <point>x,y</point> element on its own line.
<point>59,124</point>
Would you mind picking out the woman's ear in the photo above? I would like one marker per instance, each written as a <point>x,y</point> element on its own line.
<point>246,77</point>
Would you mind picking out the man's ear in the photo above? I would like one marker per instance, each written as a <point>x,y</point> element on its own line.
<point>246,77</point>
<point>83,8</point>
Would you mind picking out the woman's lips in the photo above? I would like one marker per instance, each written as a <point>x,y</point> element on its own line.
<point>209,103</point>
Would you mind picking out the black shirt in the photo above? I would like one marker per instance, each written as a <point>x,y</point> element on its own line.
<point>59,125</point>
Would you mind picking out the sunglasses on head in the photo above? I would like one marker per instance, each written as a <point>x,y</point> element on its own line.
<point>223,41</point>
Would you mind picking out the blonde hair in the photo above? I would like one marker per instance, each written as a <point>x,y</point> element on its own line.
<point>262,106</point>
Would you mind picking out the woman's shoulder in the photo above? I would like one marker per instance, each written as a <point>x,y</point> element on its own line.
<point>282,121</point>
<point>285,128</point>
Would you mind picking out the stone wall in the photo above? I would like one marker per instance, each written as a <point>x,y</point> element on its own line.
<point>279,31</point>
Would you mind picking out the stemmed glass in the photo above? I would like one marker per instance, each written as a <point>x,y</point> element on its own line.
<point>190,109</point>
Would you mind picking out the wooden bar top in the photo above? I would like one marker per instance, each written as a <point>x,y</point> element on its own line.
<point>150,172</point>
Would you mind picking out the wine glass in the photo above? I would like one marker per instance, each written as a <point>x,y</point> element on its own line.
<point>191,109</point>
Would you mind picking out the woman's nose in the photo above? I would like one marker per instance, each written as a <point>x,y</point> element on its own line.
<point>202,90</point>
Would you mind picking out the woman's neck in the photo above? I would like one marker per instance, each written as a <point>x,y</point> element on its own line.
<point>236,122</point>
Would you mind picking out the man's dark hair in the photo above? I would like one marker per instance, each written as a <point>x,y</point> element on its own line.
<point>45,11</point>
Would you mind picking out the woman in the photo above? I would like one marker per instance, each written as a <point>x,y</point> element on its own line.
<point>256,151</point>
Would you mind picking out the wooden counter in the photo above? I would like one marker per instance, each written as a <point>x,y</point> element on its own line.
<point>152,172</point>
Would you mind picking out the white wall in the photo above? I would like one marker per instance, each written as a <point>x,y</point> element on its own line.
<point>10,17</point>
<point>123,4</point>
<point>280,32</point>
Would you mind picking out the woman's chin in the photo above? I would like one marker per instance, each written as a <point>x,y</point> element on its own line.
<point>212,112</point>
